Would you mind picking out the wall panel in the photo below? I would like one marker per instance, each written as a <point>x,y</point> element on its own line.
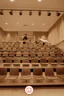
<point>56,33</point>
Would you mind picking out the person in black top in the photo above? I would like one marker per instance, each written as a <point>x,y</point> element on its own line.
<point>25,37</point>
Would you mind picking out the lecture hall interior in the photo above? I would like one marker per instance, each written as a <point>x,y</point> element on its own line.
<point>32,47</point>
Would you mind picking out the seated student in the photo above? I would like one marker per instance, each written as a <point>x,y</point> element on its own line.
<point>43,43</point>
<point>25,37</point>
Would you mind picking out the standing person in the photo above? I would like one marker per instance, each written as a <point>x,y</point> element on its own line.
<point>25,37</point>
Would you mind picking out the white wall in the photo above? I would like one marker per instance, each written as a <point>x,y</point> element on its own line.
<point>11,36</point>
<point>61,45</point>
<point>8,36</point>
<point>56,33</point>
<point>1,35</point>
<point>43,35</point>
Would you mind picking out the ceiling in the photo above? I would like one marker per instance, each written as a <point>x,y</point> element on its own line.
<point>25,22</point>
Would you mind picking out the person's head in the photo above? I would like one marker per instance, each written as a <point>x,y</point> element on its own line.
<point>25,34</point>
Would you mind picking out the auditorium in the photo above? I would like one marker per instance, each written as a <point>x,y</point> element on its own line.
<point>32,47</point>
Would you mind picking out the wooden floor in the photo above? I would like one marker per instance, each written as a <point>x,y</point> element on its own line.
<point>38,91</point>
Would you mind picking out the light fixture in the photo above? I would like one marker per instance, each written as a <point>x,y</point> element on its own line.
<point>43,24</point>
<point>17,23</point>
<point>58,13</point>
<point>32,23</point>
<point>1,12</point>
<point>39,13</point>
<point>6,23</point>
<point>20,13</point>
<point>39,0</point>
<point>30,13</point>
<point>49,14</point>
<point>12,0</point>
<point>11,12</point>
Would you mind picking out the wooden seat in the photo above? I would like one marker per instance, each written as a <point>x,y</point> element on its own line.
<point>37,73</point>
<point>3,73</point>
<point>14,73</point>
<point>49,73</point>
<point>26,74</point>
<point>60,72</point>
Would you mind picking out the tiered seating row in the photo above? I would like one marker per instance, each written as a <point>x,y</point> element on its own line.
<point>32,63</point>
<point>36,77</point>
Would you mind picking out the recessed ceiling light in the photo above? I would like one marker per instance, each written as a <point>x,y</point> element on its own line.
<point>12,0</point>
<point>17,23</point>
<point>39,0</point>
<point>6,23</point>
<point>43,24</point>
<point>32,23</point>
